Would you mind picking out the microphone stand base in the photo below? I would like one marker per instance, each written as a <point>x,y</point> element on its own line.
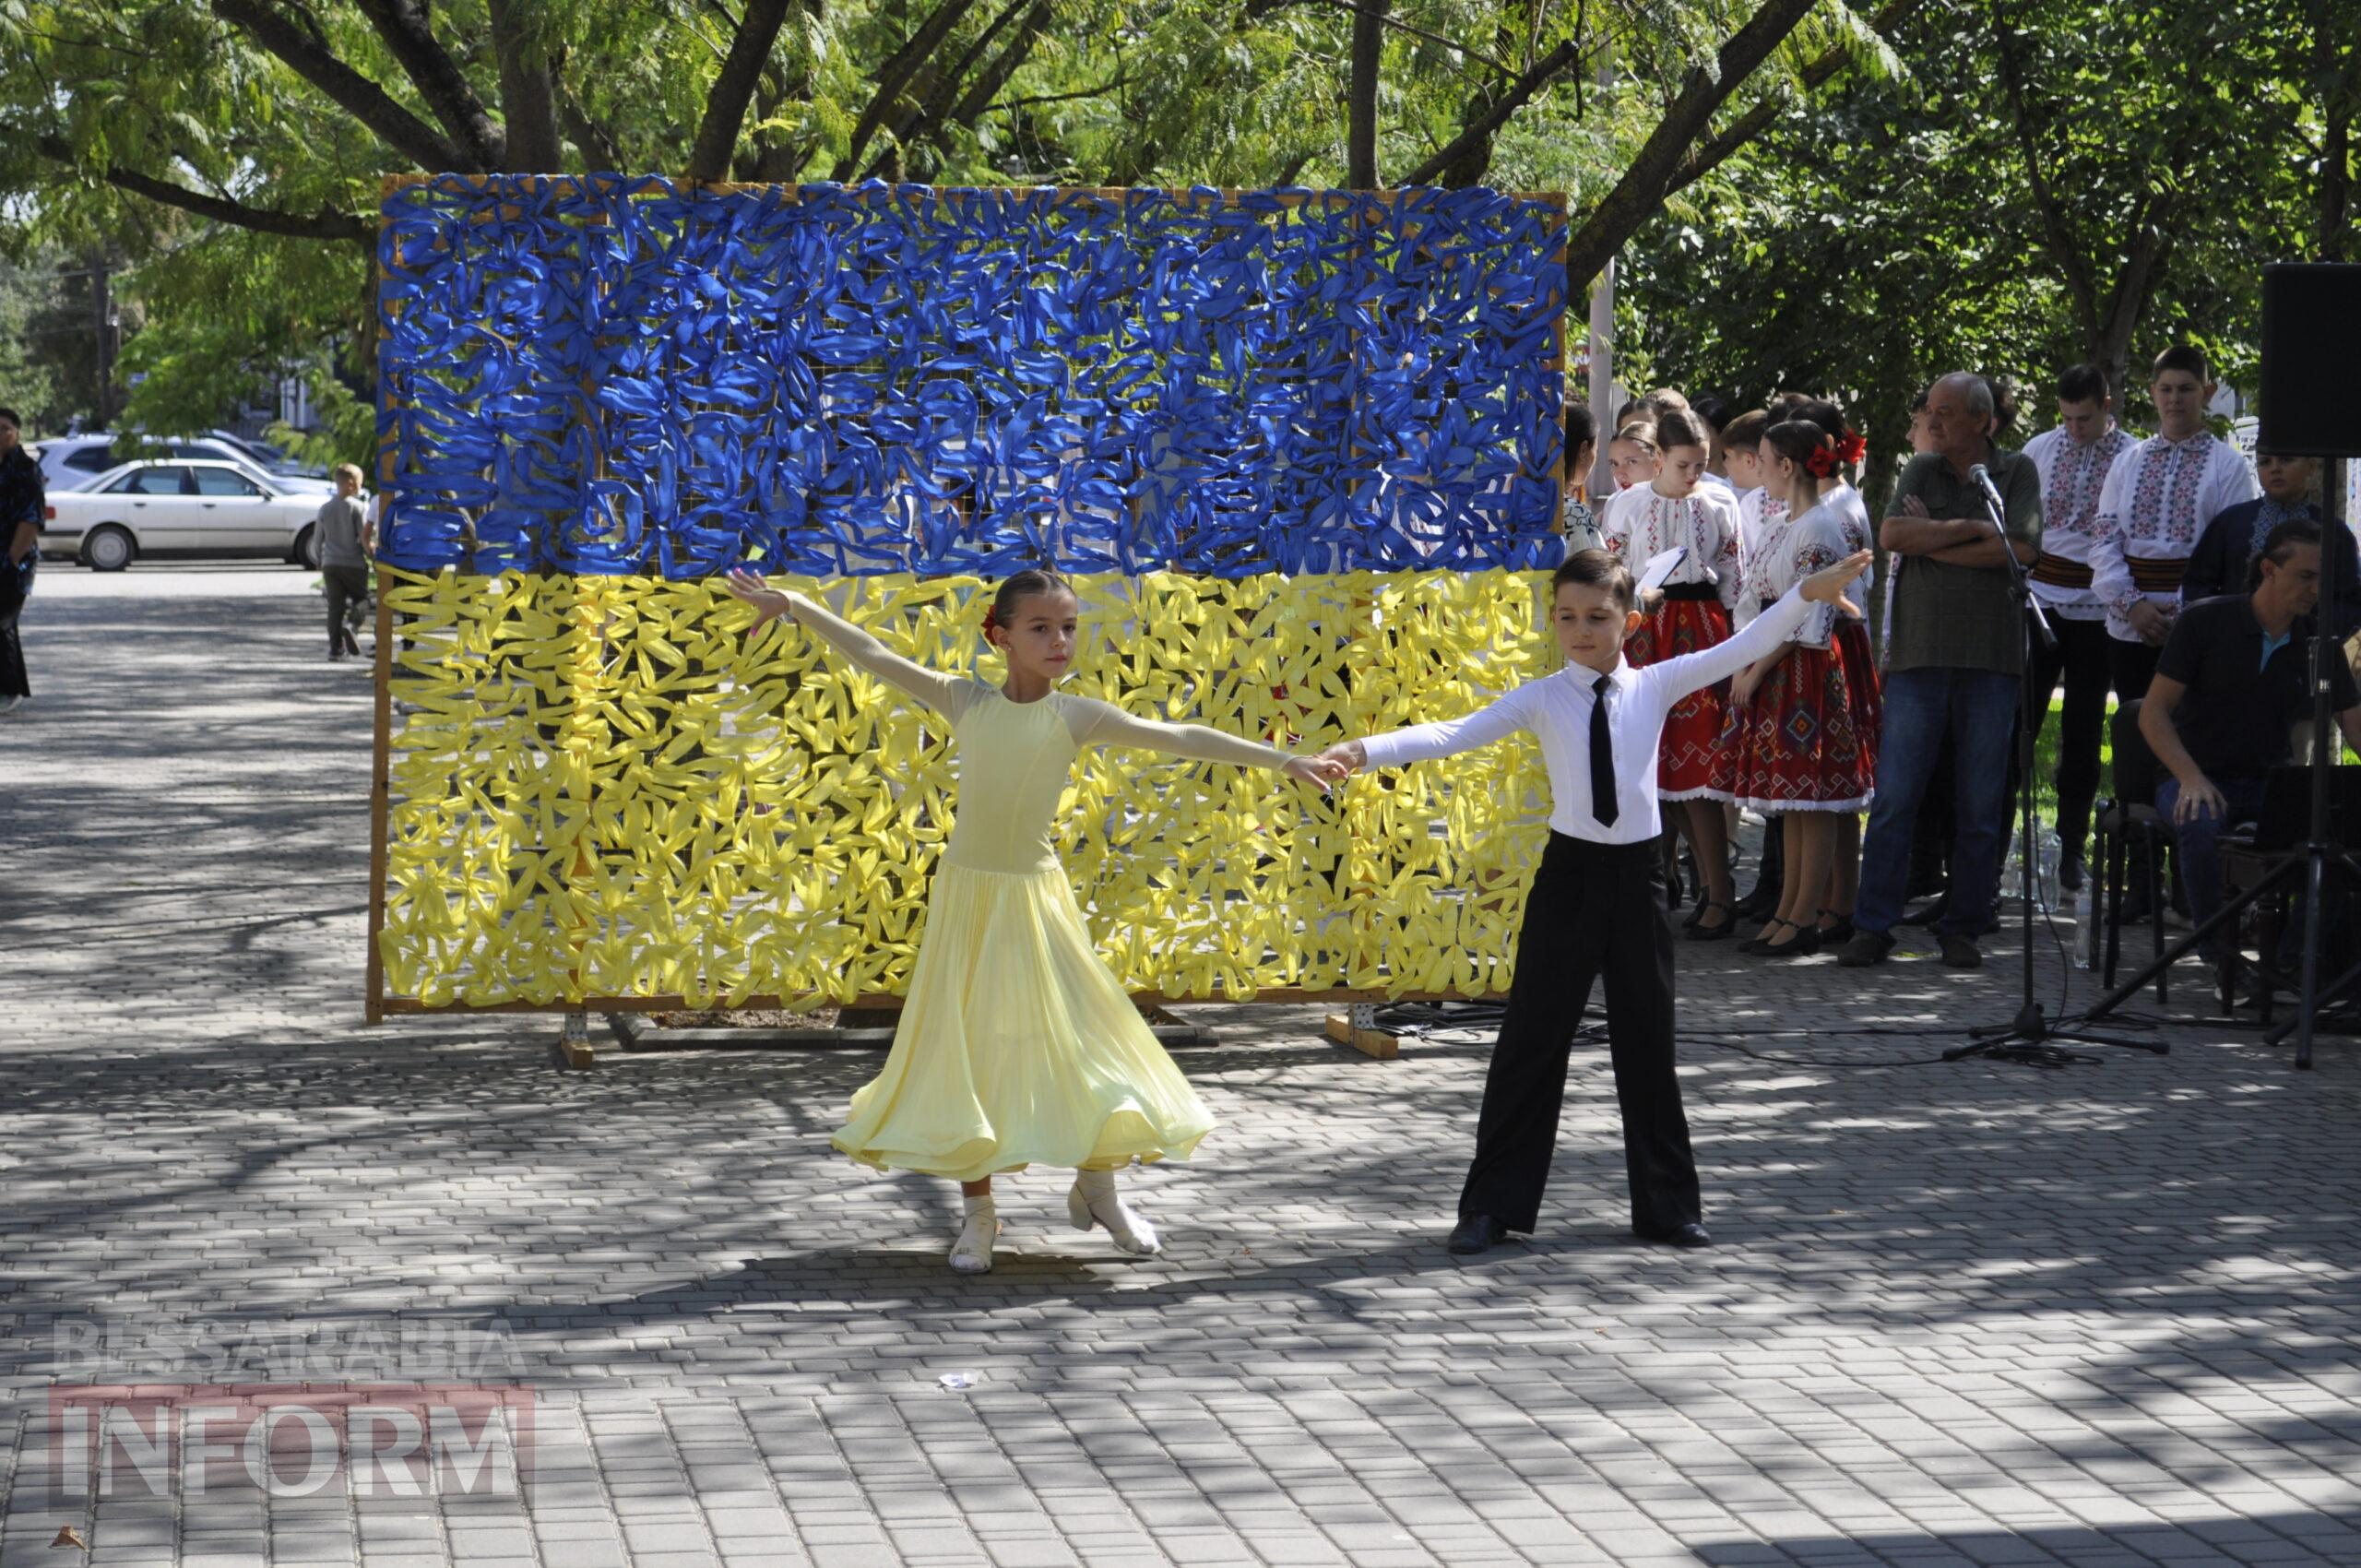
<point>2026,1040</point>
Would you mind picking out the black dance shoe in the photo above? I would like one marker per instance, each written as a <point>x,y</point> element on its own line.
<point>1476,1233</point>
<point>1722,933</point>
<point>1690,1235</point>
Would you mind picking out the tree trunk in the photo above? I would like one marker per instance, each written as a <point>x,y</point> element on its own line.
<point>894,76</point>
<point>438,78</point>
<point>2338,100</point>
<point>1640,193</point>
<point>1360,96</point>
<point>1477,125</point>
<point>1471,165</point>
<point>527,99</point>
<point>2336,188</point>
<point>725,102</point>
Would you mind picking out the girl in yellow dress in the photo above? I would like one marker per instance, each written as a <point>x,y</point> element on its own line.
<point>1017,1044</point>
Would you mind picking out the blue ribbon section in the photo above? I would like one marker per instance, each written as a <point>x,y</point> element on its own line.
<point>614,374</point>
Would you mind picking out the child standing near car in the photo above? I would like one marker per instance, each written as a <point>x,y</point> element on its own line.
<point>343,534</point>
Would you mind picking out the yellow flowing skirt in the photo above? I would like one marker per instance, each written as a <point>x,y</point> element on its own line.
<point>1017,1045</point>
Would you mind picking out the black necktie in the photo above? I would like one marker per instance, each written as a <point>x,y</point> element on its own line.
<point>1602,758</point>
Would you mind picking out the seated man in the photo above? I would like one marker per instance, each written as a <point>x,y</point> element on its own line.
<point>2232,540</point>
<point>2231,682</point>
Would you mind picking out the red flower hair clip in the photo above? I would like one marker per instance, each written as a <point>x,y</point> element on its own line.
<point>1852,449</point>
<point>992,620</point>
<point>1822,463</point>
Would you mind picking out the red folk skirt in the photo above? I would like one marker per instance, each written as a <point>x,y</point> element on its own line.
<point>1868,691</point>
<point>1692,731</point>
<point>1808,739</point>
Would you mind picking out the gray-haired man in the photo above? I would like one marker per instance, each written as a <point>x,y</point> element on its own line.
<point>1954,662</point>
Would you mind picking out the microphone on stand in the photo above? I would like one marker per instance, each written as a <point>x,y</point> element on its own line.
<point>1983,481</point>
<point>1997,515</point>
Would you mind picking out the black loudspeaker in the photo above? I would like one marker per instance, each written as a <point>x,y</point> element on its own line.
<point>2311,352</point>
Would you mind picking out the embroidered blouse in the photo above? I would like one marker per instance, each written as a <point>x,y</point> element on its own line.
<point>1642,524</point>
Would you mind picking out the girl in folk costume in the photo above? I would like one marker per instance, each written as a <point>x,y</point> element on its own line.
<point>1693,614</point>
<point>1760,513</point>
<point>1859,534</point>
<point>1762,521</point>
<point>1860,657</point>
<point>1016,1045</point>
<point>1632,457</point>
<point>1575,519</point>
<point>1801,739</point>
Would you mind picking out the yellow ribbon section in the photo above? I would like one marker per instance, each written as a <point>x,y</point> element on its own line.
<point>599,790</point>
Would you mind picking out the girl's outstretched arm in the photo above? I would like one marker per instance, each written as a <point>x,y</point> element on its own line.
<point>1103,724</point>
<point>945,693</point>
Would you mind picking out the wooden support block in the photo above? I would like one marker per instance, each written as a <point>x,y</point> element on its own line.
<point>1368,1042</point>
<point>574,1040</point>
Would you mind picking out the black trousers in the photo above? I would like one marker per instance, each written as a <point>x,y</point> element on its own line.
<point>2132,665</point>
<point>2135,665</point>
<point>2084,658</point>
<point>15,587</point>
<point>347,587</point>
<point>1594,909</point>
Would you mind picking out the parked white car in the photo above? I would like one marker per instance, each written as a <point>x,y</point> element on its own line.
<point>165,508</point>
<point>79,462</point>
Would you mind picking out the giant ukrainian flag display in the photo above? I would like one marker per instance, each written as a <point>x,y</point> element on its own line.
<point>1296,449</point>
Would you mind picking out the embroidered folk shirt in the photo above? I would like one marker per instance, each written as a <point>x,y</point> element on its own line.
<point>1641,525</point>
<point>2158,498</point>
<point>2073,477</point>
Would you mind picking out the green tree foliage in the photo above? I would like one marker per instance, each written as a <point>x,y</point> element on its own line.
<point>233,150</point>
<point>2052,180</point>
<point>48,342</point>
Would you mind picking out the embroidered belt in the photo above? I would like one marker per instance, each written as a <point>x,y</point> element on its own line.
<point>2058,572</point>
<point>2157,574</point>
<point>1691,591</point>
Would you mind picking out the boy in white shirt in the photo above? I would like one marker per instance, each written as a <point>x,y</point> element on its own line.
<point>1597,903</point>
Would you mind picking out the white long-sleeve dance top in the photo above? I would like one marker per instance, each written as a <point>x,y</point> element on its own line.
<point>1556,711</point>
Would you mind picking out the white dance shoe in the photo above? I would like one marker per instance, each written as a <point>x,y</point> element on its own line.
<point>1093,1202</point>
<point>972,1253</point>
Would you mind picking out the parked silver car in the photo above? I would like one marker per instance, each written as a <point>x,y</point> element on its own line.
<point>165,508</point>
<point>76,462</point>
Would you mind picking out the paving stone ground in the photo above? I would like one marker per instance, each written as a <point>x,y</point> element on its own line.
<point>1962,1313</point>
